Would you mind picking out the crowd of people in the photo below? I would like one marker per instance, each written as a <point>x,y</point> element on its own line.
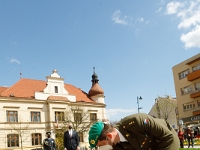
<point>188,134</point>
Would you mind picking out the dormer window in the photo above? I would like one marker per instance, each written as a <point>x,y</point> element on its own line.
<point>56,89</point>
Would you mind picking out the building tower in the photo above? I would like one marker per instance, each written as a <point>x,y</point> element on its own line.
<point>96,93</point>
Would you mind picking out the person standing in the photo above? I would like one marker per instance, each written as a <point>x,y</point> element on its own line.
<point>190,136</point>
<point>71,139</point>
<point>49,143</point>
<point>181,137</point>
<point>134,132</point>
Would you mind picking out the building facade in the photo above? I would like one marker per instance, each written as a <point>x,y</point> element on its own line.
<point>32,107</point>
<point>165,107</point>
<point>187,85</point>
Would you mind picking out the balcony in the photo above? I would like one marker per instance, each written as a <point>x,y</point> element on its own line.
<point>195,94</point>
<point>195,113</point>
<point>194,75</point>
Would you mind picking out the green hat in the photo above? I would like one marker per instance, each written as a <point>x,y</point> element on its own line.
<point>95,132</point>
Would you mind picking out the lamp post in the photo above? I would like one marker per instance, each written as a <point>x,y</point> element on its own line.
<point>139,98</point>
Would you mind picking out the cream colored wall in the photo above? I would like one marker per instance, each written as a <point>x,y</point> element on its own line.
<point>46,108</point>
<point>47,111</point>
<point>98,99</point>
<point>55,82</point>
<point>182,99</point>
<point>23,118</point>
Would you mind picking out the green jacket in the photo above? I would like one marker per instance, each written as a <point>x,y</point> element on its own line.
<point>143,132</point>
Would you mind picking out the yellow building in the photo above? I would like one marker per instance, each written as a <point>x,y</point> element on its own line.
<point>32,107</point>
<point>187,86</point>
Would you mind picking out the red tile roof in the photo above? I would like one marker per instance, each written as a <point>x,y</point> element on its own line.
<point>80,95</point>
<point>2,89</point>
<point>25,88</point>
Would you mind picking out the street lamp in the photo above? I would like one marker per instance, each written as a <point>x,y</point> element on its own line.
<point>139,98</point>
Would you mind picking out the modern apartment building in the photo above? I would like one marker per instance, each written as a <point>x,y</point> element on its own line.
<point>30,108</point>
<point>187,86</point>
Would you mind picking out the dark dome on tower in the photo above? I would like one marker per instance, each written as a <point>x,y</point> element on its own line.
<point>95,89</point>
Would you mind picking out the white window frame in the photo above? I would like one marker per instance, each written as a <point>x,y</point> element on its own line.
<point>183,74</point>
<point>186,90</point>
<point>189,106</point>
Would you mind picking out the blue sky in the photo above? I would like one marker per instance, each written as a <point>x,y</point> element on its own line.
<point>132,44</point>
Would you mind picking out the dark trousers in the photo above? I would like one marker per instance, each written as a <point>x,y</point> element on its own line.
<point>190,141</point>
<point>181,143</point>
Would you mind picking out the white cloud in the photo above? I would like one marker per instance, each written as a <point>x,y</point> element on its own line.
<point>126,20</point>
<point>159,9</point>
<point>117,18</point>
<point>173,7</point>
<point>147,22</point>
<point>162,2</point>
<point>189,15</point>
<point>140,19</point>
<point>191,39</point>
<point>12,60</point>
<point>118,113</point>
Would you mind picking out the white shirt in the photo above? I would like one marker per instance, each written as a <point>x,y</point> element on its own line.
<point>121,137</point>
<point>70,132</point>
